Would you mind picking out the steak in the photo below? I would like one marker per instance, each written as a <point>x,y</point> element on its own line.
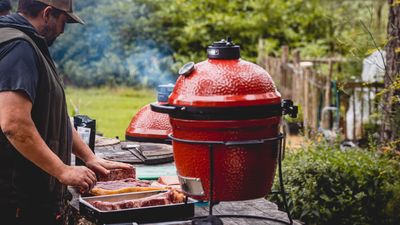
<point>118,184</point>
<point>122,186</point>
<point>118,174</point>
<point>166,198</point>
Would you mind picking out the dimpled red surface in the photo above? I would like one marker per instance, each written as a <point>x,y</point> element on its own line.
<point>149,124</point>
<point>241,172</point>
<point>225,83</point>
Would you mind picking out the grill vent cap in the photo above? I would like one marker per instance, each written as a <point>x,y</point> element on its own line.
<point>224,49</point>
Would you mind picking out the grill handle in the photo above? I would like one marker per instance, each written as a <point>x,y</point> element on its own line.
<point>289,108</point>
<point>166,109</point>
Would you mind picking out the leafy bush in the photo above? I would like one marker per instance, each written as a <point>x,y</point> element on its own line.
<point>144,43</point>
<point>330,186</point>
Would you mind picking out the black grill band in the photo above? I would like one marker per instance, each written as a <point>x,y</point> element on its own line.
<point>148,140</point>
<point>220,113</point>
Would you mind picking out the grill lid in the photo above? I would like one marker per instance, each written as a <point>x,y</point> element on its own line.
<point>149,126</point>
<point>226,89</point>
<point>224,83</point>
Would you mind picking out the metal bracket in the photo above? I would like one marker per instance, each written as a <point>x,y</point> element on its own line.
<point>191,186</point>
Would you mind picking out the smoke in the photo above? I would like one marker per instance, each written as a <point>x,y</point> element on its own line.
<point>151,63</point>
<point>111,49</point>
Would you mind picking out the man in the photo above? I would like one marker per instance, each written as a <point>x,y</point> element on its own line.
<point>5,7</point>
<point>36,138</point>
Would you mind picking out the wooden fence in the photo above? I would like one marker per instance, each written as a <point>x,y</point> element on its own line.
<point>324,102</point>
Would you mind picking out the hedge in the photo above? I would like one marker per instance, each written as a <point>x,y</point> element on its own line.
<point>327,185</point>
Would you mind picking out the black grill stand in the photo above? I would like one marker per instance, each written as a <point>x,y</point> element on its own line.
<point>215,219</point>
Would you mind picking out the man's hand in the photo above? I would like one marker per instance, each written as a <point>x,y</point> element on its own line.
<point>102,166</point>
<point>78,176</point>
<point>98,165</point>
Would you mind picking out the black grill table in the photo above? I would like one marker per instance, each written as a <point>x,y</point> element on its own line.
<point>258,207</point>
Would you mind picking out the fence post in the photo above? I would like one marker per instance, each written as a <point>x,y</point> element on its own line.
<point>315,90</point>
<point>295,90</point>
<point>284,72</point>
<point>328,96</point>
<point>362,112</point>
<point>354,116</point>
<point>305,102</point>
<point>261,53</point>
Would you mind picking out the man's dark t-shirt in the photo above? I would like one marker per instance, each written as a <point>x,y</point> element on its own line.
<point>18,68</point>
<point>20,180</point>
<point>18,62</point>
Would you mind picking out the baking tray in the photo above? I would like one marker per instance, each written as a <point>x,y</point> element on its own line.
<point>151,214</point>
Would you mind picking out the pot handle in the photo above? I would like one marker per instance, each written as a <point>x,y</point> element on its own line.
<point>166,109</point>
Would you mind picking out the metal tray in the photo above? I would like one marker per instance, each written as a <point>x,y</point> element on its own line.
<point>151,214</point>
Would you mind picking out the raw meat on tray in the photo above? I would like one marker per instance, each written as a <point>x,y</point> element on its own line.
<point>166,198</point>
<point>123,186</point>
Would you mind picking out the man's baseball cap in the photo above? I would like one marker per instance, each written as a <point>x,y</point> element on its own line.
<point>66,6</point>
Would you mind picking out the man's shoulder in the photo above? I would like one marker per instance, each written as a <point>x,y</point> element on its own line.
<point>19,68</point>
<point>19,47</point>
<point>21,43</point>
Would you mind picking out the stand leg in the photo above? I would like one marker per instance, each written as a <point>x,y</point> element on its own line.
<point>210,220</point>
<point>211,193</point>
<point>282,147</point>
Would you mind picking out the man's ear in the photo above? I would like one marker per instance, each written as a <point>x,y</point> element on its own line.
<point>46,14</point>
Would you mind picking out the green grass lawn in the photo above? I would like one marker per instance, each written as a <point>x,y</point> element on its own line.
<point>112,109</point>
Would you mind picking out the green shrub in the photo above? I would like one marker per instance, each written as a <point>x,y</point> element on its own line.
<point>330,186</point>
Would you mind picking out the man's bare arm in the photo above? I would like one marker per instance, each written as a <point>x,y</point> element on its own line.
<point>98,165</point>
<point>80,148</point>
<point>19,128</point>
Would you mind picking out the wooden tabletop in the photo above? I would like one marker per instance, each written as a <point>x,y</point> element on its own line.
<point>258,207</point>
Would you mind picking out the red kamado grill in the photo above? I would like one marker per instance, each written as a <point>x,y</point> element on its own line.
<point>149,126</point>
<point>225,115</point>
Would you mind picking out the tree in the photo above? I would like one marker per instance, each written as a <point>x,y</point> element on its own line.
<point>390,128</point>
<point>123,38</point>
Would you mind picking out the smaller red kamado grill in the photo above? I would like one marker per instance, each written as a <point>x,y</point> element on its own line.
<point>149,126</point>
<point>225,115</point>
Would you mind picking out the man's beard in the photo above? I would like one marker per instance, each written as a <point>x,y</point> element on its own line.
<point>48,32</point>
<point>50,42</point>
